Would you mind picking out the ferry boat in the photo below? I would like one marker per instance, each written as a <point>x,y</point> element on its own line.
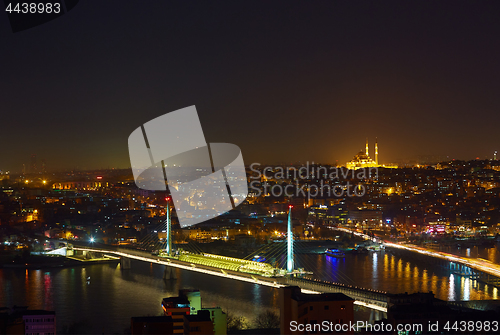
<point>335,253</point>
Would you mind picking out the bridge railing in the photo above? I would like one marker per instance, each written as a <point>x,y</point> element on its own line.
<point>354,292</point>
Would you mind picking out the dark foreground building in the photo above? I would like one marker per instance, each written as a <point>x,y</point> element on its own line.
<point>152,325</point>
<point>437,316</point>
<point>21,320</point>
<point>302,313</point>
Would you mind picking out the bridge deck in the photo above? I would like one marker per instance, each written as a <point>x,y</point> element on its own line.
<point>364,297</point>
<point>473,263</point>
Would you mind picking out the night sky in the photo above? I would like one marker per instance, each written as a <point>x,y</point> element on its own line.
<point>284,81</point>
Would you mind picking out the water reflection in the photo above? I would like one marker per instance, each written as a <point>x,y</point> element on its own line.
<point>120,294</point>
<point>386,263</point>
<point>491,253</point>
<point>396,275</point>
<point>466,285</point>
<point>47,281</point>
<point>425,281</point>
<point>451,291</point>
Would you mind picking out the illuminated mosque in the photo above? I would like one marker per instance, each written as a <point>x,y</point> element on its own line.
<point>363,160</point>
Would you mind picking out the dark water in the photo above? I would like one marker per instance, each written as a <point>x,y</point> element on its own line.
<point>106,303</point>
<point>491,254</point>
<point>387,272</point>
<point>113,295</point>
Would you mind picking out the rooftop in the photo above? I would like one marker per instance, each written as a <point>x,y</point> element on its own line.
<point>299,296</point>
<point>151,319</point>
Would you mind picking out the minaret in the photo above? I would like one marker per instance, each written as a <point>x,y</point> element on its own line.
<point>376,151</point>
<point>367,147</point>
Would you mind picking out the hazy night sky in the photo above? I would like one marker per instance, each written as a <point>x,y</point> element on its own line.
<point>284,81</point>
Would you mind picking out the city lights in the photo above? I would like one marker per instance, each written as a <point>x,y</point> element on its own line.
<point>309,164</point>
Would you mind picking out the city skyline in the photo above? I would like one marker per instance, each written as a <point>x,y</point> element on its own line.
<point>35,166</point>
<point>308,83</point>
<point>257,167</point>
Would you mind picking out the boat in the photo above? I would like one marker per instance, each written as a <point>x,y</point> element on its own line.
<point>335,253</point>
<point>376,247</point>
<point>360,251</point>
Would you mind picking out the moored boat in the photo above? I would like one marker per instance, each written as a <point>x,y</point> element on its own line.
<point>335,253</point>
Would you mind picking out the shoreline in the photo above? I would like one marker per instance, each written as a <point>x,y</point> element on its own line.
<point>55,265</point>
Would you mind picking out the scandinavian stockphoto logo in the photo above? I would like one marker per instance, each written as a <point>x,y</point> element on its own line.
<point>204,179</point>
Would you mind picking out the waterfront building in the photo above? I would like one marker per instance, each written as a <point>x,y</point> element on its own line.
<point>219,318</point>
<point>303,308</point>
<point>152,325</point>
<point>176,307</point>
<point>21,320</point>
<point>189,303</point>
<point>417,308</point>
<point>39,322</point>
<point>200,323</point>
<point>366,218</point>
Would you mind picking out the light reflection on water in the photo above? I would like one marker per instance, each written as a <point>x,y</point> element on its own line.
<point>451,291</point>
<point>466,284</point>
<point>387,272</point>
<point>112,296</point>
<point>490,253</point>
<point>120,294</point>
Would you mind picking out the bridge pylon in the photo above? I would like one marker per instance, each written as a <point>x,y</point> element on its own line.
<point>124,263</point>
<point>169,273</point>
<point>169,229</point>
<point>289,240</point>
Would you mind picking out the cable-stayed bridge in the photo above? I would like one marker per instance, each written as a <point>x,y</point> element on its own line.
<point>275,266</point>
<point>365,297</point>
